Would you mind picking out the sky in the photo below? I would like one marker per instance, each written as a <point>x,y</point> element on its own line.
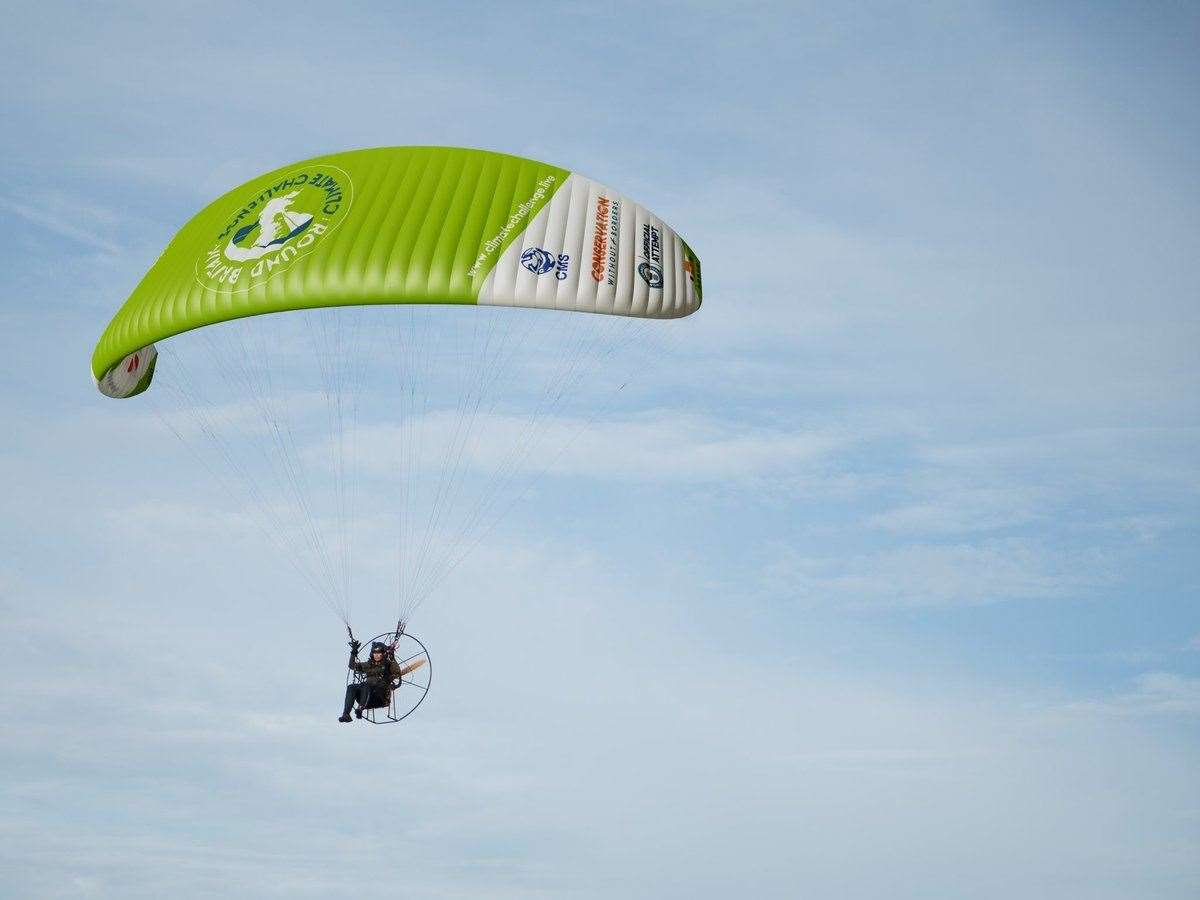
<point>887,585</point>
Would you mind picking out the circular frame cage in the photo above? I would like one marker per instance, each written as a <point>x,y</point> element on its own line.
<point>407,692</point>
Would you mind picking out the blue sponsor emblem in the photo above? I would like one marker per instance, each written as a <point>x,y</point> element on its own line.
<point>541,262</point>
<point>651,274</point>
<point>537,260</point>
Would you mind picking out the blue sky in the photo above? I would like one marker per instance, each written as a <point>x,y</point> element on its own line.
<point>911,609</point>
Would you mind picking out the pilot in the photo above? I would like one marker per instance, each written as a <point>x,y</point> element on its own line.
<point>374,689</point>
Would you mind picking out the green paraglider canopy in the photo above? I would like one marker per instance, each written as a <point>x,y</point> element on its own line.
<point>402,225</point>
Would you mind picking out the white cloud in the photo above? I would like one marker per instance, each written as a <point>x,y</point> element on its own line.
<point>661,445</point>
<point>69,218</point>
<point>961,509</point>
<point>1153,694</point>
<point>1091,457</point>
<point>988,571</point>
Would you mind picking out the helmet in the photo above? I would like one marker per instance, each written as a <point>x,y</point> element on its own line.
<point>378,647</point>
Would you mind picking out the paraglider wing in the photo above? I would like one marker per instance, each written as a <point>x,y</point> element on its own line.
<point>402,225</point>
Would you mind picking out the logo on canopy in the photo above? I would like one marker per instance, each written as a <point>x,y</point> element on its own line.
<point>537,260</point>
<point>651,274</point>
<point>275,228</point>
<point>540,262</point>
<point>652,255</point>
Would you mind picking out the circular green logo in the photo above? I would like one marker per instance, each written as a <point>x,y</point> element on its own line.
<point>275,228</point>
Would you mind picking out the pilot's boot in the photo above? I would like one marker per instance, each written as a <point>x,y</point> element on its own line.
<point>350,692</point>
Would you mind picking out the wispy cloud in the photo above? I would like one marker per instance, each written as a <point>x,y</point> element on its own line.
<point>954,574</point>
<point>1153,694</point>
<point>962,509</point>
<point>653,445</point>
<point>68,218</point>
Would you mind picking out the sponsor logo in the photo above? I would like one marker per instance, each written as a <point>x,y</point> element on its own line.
<point>134,362</point>
<point>605,240</point>
<point>274,228</point>
<point>652,275</point>
<point>600,238</point>
<point>651,266</point>
<point>540,262</point>
<point>537,260</point>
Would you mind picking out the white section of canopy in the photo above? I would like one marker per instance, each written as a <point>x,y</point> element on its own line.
<point>122,379</point>
<point>567,225</point>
